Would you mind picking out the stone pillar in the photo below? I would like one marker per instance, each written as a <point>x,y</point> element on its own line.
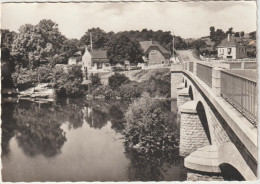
<point>216,82</point>
<point>192,134</point>
<point>242,65</point>
<point>183,96</point>
<point>176,78</point>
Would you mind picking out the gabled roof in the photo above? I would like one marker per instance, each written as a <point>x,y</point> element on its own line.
<point>145,45</point>
<point>98,54</point>
<point>233,41</point>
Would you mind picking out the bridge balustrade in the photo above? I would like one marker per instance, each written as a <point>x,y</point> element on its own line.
<point>191,67</point>
<point>204,72</point>
<point>241,93</point>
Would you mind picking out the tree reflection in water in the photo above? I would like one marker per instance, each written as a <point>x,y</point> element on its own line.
<point>38,132</point>
<point>8,126</point>
<point>146,167</point>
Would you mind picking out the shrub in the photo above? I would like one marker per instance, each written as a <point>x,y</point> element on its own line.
<point>131,90</point>
<point>24,78</point>
<point>150,128</point>
<point>117,80</point>
<point>95,79</point>
<point>68,84</point>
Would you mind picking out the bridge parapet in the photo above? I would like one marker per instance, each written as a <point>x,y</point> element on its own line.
<point>225,113</point>
<point>238,87</point>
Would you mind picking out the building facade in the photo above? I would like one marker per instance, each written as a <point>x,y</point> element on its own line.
<point>95,60</point>
<point>232,48</point>
<point>154,53</point>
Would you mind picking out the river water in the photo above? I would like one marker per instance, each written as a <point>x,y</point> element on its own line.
<point>75,140</point>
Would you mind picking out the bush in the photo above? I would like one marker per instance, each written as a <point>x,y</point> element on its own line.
<point>68,84</point>
<point>117,80</point>
<point>150,128</point>
<point>131,90</point>
<point>95,79</point>
<point>24,78</point>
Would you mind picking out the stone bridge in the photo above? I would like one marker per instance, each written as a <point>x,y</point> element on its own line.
<point>217,109</point>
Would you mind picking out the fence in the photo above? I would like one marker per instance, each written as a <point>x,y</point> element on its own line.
<point>241,93</point>
<point>204,72</point>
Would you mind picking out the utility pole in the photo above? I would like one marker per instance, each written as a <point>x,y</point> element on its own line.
<point>172,44</point>
<point>90,41</point>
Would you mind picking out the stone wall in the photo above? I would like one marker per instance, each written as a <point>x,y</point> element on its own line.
<point>182,99</point>
<point>176,80</point>
<point>220,136</point>
<point>192,134</point>
<point>203,176</point>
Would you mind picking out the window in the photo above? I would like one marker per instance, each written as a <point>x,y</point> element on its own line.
<point>229,50</point>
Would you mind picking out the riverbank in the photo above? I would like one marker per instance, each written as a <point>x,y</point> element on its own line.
<point>156,82</point>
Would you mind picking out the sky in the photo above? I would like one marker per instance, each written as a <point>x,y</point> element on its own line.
<point>186,19</point>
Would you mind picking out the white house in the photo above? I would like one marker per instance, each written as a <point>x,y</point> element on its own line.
<point>95,61</point>
<point>232,48</point>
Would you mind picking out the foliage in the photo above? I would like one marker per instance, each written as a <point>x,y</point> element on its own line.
<point>252,35</point>
<point>99,38</point>
<point>198,44</point>
<point>37,44</point>
<point>68,84</point>
<point>149,128</point>
<point>95,79</point>
<point>24,78</point>
<point>121,48</point>
<point>117,79</point>
<point>130,90</point>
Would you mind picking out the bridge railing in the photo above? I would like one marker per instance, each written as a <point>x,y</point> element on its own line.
<point>191,67</point>
<point>204,72</point>
<point>241,93</point>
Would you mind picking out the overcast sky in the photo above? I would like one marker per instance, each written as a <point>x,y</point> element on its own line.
<point>187,19</point>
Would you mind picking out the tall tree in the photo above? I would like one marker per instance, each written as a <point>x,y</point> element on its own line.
<point>37,44</point>
<point>121,48</point>
<point>99,38</point>
<point>212,32</point>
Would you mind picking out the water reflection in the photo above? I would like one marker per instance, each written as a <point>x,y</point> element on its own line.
<point>38,129</point>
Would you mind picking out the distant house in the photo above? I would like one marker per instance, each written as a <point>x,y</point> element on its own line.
<point>72,61</point>
<point>95,60</point>
<point>154,53</point>
<point>232,48</point>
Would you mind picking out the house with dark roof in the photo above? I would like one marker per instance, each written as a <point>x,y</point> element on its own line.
<point>154,53</point>
<point>232,48</point>
<point>95,60</point>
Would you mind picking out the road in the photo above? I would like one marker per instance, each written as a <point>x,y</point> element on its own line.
<point>187,55</point>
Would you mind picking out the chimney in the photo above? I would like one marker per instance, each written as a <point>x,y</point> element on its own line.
<point>228,38</point>
<point>90,41</point>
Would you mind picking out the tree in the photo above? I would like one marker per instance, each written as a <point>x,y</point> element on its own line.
<point>121,48</point>
<point>237,34</point>
<point>198,44</point>
<point>242,34</point>
<point>148,128</point>
<point>212,32</point>
<point>99,38</point>
<point>252,35</point>
<point>37,44</point>
<point>230,31</point>
<point>117,80</point>
<point>68,84</point>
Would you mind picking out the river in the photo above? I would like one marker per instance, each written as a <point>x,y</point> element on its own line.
<point>74,140</point>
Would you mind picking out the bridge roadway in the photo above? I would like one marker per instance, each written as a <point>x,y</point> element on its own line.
<point>216,139</point>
